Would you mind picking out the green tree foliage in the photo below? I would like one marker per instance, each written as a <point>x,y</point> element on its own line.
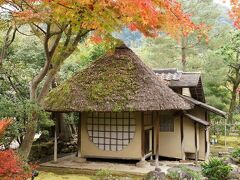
<point>200,55</point>
<point>23,61</point>
<point>231,55</point>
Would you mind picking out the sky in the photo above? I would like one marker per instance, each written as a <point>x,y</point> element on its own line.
<point>223,2</point>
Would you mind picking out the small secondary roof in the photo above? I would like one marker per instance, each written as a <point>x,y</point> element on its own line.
<point>205,106</point>
<point>180,79</point>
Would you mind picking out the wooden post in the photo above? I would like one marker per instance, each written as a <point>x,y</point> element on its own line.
<point>196,146</point>
<point>182,137</point>
<point>157,141</point>
<point>142,136</point>
<point>207,150</point>
<point>55,141</point>
<point>225,133</point>
<point>79,135</point>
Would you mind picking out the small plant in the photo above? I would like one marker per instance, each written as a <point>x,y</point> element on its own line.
<point>216,169</point>
<point>235,155</point>
<point>184,173</point>
<point>191,173</point>
<point>104,174</point>
<point>173,175</point>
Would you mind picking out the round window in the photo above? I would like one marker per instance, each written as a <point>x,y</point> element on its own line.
<point>111,131</point>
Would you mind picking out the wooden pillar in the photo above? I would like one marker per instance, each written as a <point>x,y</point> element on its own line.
<point>142,136</point>
<point>182,137</point>
<point>207,148</point>
<point>196,143</point>
<point>55,140</point>
<point>79,135</point>
<point>157,140</point>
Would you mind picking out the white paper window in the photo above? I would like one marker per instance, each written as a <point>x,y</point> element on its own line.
<point>111,131</point>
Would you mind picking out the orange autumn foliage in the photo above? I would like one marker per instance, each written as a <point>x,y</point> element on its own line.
<point>4,123</point>
<point>235,12</point>
<point>11,166</point>
<point>147,16</point>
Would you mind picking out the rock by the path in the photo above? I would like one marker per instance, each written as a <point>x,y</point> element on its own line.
<point>235,174</point>
<point>143,164</point>
<point>155,175</point>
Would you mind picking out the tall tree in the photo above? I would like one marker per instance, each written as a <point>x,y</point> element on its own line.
<point>61,25</point>
<point>165,52</point>
<point>231,55</point>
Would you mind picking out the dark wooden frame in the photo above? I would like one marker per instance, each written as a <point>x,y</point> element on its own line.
<point>79,134</point>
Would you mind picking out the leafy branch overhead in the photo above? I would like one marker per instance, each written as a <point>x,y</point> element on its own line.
<point>148,16</point>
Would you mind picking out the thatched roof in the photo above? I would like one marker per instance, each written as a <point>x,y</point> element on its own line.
<point>120,81</point>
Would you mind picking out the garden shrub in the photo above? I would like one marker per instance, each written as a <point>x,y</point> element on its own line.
<point>216,169</point>
<point>236,154</point>
<point>11,166</point>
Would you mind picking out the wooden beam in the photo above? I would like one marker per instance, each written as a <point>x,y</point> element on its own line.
<point>157,140</point>
<point>79,135</point>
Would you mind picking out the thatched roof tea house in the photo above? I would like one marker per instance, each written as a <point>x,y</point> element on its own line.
<point>126,110</point>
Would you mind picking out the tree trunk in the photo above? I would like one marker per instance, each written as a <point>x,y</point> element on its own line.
<point>239,97</point>
<point>29,137</point>
<point>64,128</point>
<point>232,105</point>
<point>48,72</point>
<point>184,55</point>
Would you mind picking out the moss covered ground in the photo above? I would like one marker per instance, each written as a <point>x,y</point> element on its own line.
<point>52,176</point>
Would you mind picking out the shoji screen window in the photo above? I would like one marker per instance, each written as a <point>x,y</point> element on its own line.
<point>111,131</point>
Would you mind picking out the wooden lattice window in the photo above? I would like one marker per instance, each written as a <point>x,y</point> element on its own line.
<point>167,123</point>
<point>111,131</point>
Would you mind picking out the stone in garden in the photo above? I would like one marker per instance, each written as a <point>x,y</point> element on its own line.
<point>155,175</point>
<point>143,164</point>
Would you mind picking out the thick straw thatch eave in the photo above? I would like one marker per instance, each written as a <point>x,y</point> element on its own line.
<point>116,82</point>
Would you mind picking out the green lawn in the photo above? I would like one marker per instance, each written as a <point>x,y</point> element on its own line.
<point>232,141</point>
